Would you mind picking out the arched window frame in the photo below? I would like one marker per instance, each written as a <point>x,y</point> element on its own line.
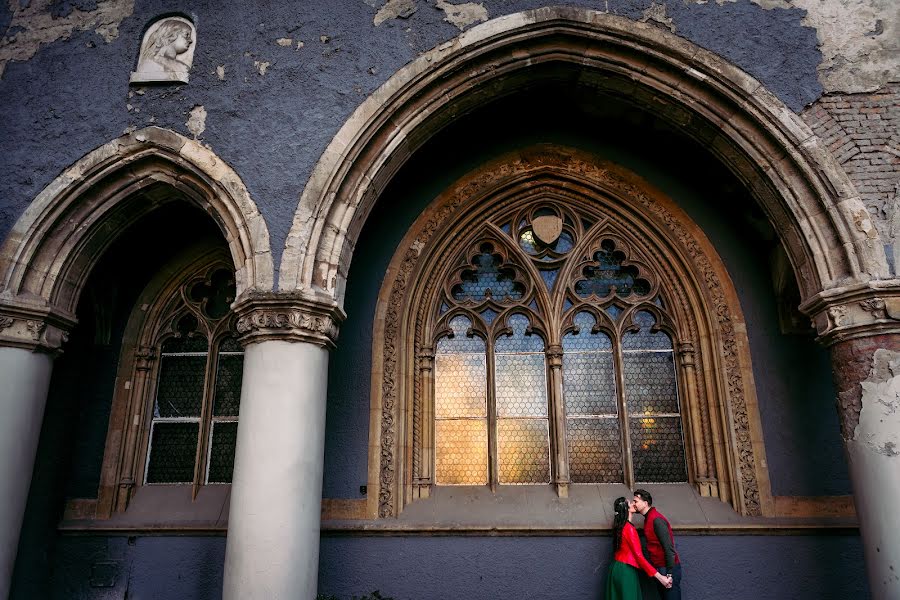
<point>152,322</point>
<point>724,448</point>
<point>542,288</point>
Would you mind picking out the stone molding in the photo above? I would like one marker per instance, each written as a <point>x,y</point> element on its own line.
<point>64,231</point>
<point>741,478</point>
<point>855,311</point>
<point>290,317</point>
<point>812,203</point>
<point>38,329</point>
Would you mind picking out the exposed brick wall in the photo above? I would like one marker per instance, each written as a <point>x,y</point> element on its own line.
<point>863,133</point>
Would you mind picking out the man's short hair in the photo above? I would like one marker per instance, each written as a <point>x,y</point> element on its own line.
<point>645,496</point>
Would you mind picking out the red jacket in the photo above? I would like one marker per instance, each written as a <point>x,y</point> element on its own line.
<point>629,551</point>
<point>654,547</point>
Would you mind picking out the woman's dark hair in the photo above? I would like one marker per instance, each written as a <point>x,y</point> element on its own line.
<point>620,507</point>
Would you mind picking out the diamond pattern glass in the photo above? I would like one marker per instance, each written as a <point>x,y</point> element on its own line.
<point>520,379</point>
<point>460,342</point>
<point>608,274</point>
<point>180,389</point>
<point>645,339</point>
<point>228,385</point>
<point>488,279</point>
<point>221,451</point>
<point>520,385</point>
<point>657,450</point>
<point>649,380</point>
<point>595,450</point>
<point>460,385</point>
<point>173,449</point>
<point>461,452</point>
<point>519,341</point>
<point>523,450</point>
<point>589,383</point>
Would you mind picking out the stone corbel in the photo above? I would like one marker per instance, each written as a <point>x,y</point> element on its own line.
<point>855,311</point>
<point>290,316</point>
<point>35,328</point>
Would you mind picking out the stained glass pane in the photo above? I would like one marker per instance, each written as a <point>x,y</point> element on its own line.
<point>524,450</point>
<point>589,383</point>
<point>657,449</point>
<point>649,379</point>
<point>595,450</point>
<point>607,274</point>
<point>519,341</point>
<point>173,449</point>
<point>520,384</point>
<point>585,340</point>
<point>215,296</point>
<point>488,315</point>
<point>645,339</point>
<point>185,343</point>
<point>460,342</point>
<point>461,452</point>
<point>180,389</point>
<point>549,277</point>
<point>228,385</point>
<point>221,451</point>
<point>488,279</point>
<point>460,385</point>
<point>229,344</point>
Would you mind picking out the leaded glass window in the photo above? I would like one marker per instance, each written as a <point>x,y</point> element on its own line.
<point>193,429</point>
<point>554,359</point>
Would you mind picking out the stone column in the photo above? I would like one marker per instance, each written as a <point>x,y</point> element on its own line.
<point>272,551</point>
<point>28,340</point>
<point>863,332</point>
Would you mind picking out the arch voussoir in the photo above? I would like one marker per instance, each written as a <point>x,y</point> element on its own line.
<point>810,201</point>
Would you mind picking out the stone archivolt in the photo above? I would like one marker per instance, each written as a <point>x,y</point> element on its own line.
<point>706,319</point>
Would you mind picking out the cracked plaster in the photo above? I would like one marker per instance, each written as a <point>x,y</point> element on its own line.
<point>879,420</point>
<point>35,24</point>
<point>859,40</point>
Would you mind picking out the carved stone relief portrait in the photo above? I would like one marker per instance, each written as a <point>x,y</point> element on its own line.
<point>167,52</point>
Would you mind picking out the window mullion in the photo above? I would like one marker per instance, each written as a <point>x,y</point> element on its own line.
<point>493,453</point>
<point>557,415</point>
<point>623,413</point>
<point>202,461</point>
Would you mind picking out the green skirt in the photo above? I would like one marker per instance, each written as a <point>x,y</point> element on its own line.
<point>623,582</point>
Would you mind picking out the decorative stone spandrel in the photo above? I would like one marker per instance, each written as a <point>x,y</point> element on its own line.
<point>167,52</point>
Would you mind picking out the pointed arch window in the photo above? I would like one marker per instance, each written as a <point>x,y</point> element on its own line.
<point>554,359</point>
<point>174,418</point>
<point>193,426</point>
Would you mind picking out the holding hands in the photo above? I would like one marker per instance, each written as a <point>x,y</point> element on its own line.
<point>665,580</point>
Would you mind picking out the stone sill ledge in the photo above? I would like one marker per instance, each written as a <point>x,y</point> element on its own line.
<point>370,529</point>
<point>473,511</point>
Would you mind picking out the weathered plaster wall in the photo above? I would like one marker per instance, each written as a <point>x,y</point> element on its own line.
<point>862,131</point>
<point>277,81</point>
<point>495,568</point>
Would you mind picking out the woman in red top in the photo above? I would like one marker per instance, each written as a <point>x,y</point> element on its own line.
<point>622,582</point>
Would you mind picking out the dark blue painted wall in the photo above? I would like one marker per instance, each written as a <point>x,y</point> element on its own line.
<point>491,568</point>
<point>72,96</point>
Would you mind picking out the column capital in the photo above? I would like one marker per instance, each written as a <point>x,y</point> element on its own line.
<point>287,316</point>
<point>34,327</point>
<point>856,311</point>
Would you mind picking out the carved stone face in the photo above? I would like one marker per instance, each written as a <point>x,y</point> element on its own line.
<point>183,42</point>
